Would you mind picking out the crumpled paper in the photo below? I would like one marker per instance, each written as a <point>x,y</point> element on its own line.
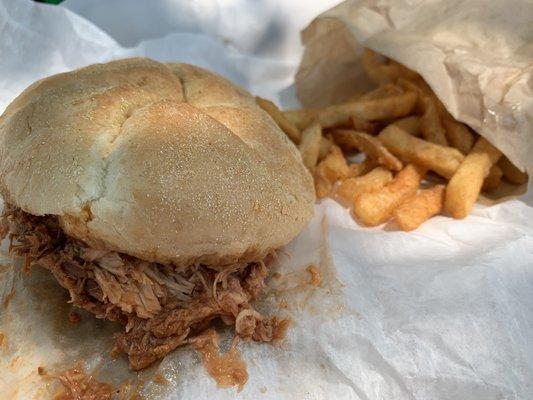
<point>440,313</point>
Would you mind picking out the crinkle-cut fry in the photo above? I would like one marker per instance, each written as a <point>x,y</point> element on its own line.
<point>464,186</point>
<point>458,134</point>
<point>362,125</point>
<point>430,124</point>
<point>368,144</point>
<point>301,118</point>
<point>283,122</point>
<point>383,91</point>
<point>310,145</point>
<point>350,188</point>
<point>361,168</point>
<point>440,159</point>
<point>410,124</point>
<point>325,146</point>
<point>381,72</point>
<point>418,208</point>
<point>330,170</point>
<point>493,179</point>
<point>511,173</point>
<point>376,207</point>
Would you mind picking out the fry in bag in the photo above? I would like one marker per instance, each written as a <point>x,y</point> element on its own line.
<point>368,144</point>
<point>419,208</point>
<point>376,207</point>
<point>511,173</point>
<point>464,186</point>
<point>310,145</point>
<point>330,170</point>
<point>349,189</point>
<point>285,124</point>
<point>441,159</point>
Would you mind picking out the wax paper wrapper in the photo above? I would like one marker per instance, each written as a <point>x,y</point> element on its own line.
<point>445,312</point>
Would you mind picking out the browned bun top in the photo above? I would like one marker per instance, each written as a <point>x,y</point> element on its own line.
<point>168,163</point>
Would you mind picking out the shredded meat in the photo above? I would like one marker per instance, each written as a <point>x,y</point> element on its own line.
<point>160,306</point>
<point>78,386</point>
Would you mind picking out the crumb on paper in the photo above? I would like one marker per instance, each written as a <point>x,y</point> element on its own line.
<point>276,275</point>
<point>160,379</point>
<point>41,371</point>
<point>8,297</point>
<point>227,369</point>
<point>316,277</point>
<point>74,317</point>
<point>77,385</point>
<point>263,390</point>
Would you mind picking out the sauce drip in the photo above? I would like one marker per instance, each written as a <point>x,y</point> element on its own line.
<point>227,369</point>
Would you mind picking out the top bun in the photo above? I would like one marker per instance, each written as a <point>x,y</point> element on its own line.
<point>168,163</point>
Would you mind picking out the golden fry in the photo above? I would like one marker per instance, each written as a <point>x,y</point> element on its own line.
<point>381,72</point>
<point>493,179</point>
<point>430,125</point>
<point>459,136</point>
<point>358,169</point>
<point>362,125</point>
<point>511,173</point>
<point>373,148</point>
<point>301,118</point>
<point>464,186</point>
<point>351,188</point>
<point>310,145</point>
<point>325,146</point>
<point>383,91</point>
<point>411,125</point>
<point>376,207</point>
<point>441,159</point>
<point>285,124</point>
<point>419,208</point>
<point>378,109</point>
<point>329,171</point>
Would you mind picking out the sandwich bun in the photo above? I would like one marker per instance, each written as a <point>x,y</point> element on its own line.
<point>165,162</point>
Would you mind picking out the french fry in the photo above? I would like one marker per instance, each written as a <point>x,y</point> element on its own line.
<point>459,136</point>
<point>376,207</point>
<point>511,173</point>
<point>329,171</point>
<point>419,208</point>
<point>379,72</point>
<point>310,145</point>
<point>351,188</point>
<point>285,124</point>
<point>410,125</point>
<point>464,186</point>
<point>377,109</point>
<point>373,148</point>
<point>383,91</point>
<point>358,169</point>
<point>493,179</point>
<point>325,146</point>
<point>362,125</point>
<point>441,159</point>
<point>430,125</point>
<point>301,118</point>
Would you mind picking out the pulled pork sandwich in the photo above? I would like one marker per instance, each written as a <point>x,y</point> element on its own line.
<point>155,194</point>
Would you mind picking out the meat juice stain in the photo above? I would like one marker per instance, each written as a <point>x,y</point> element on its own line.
<point>227,369</point>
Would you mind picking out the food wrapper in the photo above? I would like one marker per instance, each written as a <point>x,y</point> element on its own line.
<point>477,58</point>
<point>440,313</point>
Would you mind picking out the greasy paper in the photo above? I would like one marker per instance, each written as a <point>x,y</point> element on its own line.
<point>477,56</point>
<point>440,313</point>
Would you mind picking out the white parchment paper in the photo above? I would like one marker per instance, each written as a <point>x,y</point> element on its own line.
<point>445,312</point>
